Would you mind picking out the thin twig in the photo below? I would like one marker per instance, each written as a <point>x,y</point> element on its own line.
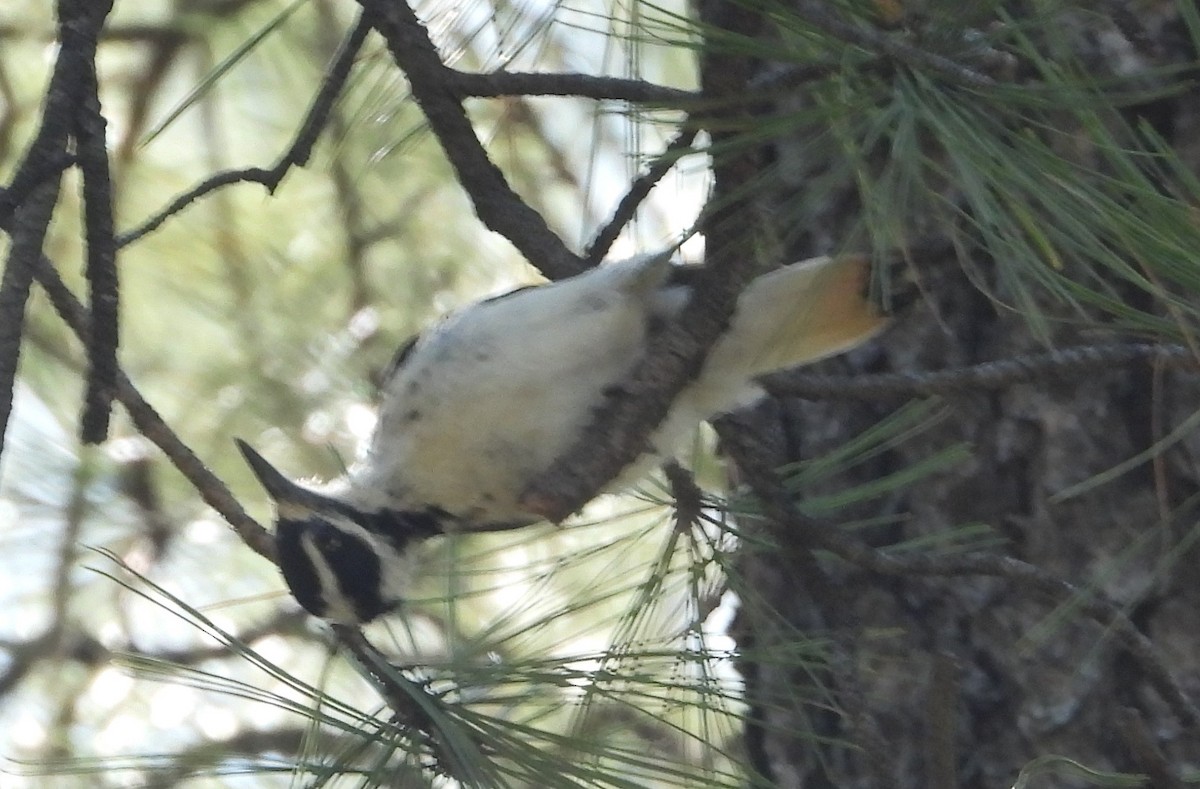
<point>27,228</point>
<point>524,83</point>
<point>496,204</point>
<point>101,269</point>
<point>79,24</point>
<point>779,77</point>
<point>943,700</point>
<point>988,375</point>
<point>639,190</point>
<point>297,154</point>
<point>400,695</point>
<point>21,187</point>
<point>689,499</point>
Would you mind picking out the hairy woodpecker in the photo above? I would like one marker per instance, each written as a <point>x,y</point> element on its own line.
<point>475,408</point>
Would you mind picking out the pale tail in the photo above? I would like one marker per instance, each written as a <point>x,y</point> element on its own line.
<point>799,314</point>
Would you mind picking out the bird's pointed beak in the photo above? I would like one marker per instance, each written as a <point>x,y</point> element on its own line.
<point>279,487</point>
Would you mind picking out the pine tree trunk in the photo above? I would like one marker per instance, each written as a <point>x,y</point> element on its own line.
<point>948,680</point>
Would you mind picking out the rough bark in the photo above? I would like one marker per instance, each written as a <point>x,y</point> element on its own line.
<point>949,676</point>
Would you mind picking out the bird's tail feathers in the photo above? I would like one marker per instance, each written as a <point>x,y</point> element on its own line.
<point>799,314</point>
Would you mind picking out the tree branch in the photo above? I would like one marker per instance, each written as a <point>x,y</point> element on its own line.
<point>79,23</point>
<point>27,205</point>
<point>496,204</point>
<point>101,267</point>
<point>152,426</point>
<point>27,228</point>
<point>297,154</point>
<point>619,429</point>
<point>525,83</point>
<point>639,190</point>
<point>988,375</point>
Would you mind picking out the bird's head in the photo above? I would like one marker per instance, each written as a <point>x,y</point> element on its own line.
<point>341,563</point>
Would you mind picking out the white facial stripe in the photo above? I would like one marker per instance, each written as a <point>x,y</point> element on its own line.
<point>396,572</point>
<point>290,510</point>
<point>337,607</point>
<point>352,528</point>
<point>396,569</point>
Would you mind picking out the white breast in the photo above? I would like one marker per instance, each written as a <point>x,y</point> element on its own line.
<point>494,394</point>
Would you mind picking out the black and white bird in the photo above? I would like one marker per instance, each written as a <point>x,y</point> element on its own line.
<point>477,407</point>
